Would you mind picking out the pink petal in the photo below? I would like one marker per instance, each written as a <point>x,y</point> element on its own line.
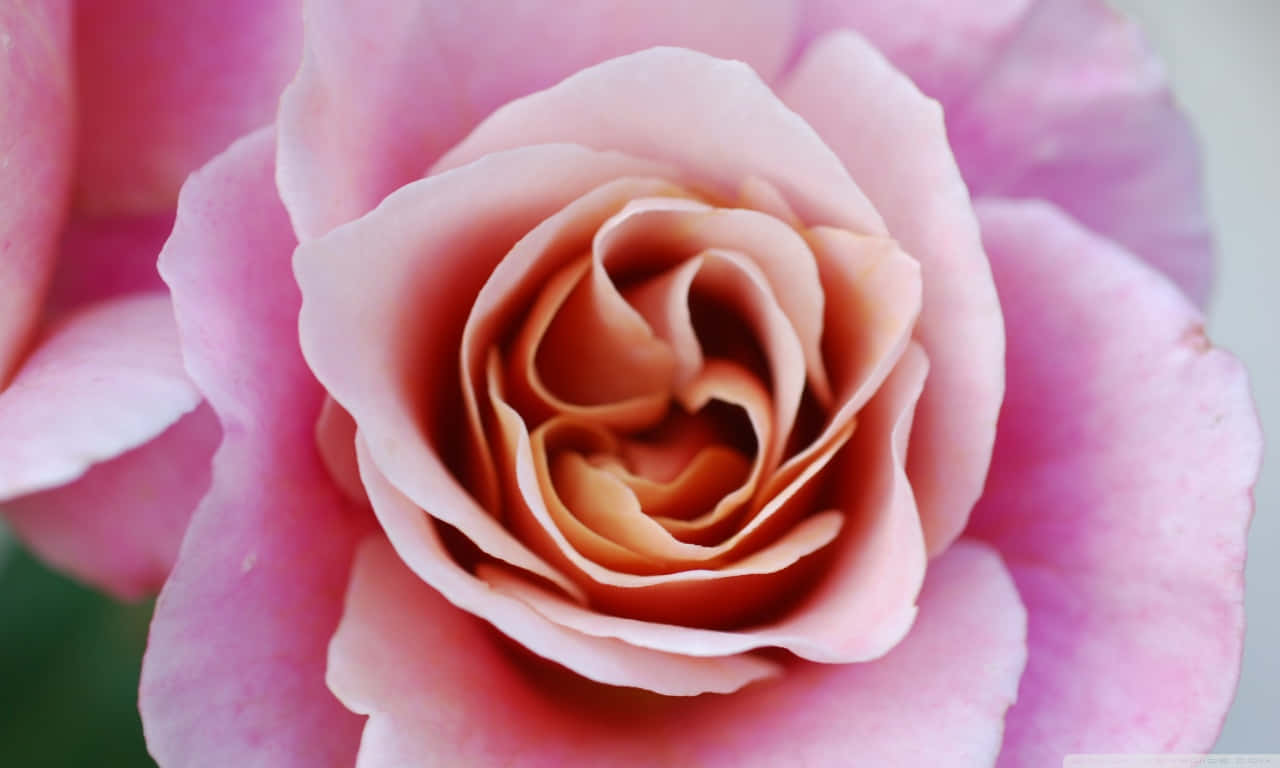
<point>415,538</point>
<point>519,275</point>
<point>440,690</point>
<point>102,381</point>
<point>233,673</point>
<point>349,136</point>
<point>36,159</point>
<point>164,85</point>
<point>1079,113</point>
<point>946,52</point>
<point>1053,99</point>
<point>1119,495</point>
<point>107,257</point>
<point>119,526</point>
<point>714,120</point>
<point>892,140</point>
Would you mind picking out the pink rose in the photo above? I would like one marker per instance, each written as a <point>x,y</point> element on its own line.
<point>461,313</point>
<point>107,107</point>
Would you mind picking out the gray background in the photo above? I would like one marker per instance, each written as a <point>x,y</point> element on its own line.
<point>1223,58</point>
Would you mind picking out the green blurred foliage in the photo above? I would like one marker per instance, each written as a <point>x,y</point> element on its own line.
<point>69,661</point>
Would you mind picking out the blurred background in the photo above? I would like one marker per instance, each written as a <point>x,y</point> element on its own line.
<point>69,658</point>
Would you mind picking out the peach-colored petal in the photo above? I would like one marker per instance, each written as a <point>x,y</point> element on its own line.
<point>863,605</point>
<point>583,351</point>
<point>519,275</point>
<point>713,119</point>
<point>349,135</point>
<point>164,85</point>
<point>1119,495</point>
<point>683,228</point>
<point>720,381</point>
<point>102,381</point>
<point>119,525</point>
<point>416,543</point>
<point>712,472</point>
<point>875,293</point>
<point>36,161</point>
<point>893,141</point>
<point>663,302</point>
<point>394,384</point>
<point>233,673</point>
<point>440,689</point>
<point>740,587</point>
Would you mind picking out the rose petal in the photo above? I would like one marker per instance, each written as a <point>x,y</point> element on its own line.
<point>119,525</point>
<point>104,380</point>
<point>893,142</point>
<point>233,669</point>
<point>416,540</point>
<point>1054,99</point>
<point>664,229</point>
<point>584,537</point>
<point>164,85</point>
<point>1119,495</point>
<point>36,161</point>
<point>946,53</point>
<point>439,689</point>
<point>582,341</point>
<point>741,588</point>
<point>349,137</point>
<point>525,270</point>
<point>1096,132</point>
<point>865,602</point>
<point>714,120</point>
<point>392,383</point>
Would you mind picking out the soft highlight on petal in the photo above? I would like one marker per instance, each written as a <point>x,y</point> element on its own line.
<point>1119,495</point>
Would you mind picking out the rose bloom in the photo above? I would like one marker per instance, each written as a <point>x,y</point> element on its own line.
<point>647,383</point>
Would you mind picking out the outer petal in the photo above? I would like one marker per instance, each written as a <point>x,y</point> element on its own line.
<point>441,690</point>
<point>892,140</point>
<point>36,156</point>
<point>103,381</point>
<point>119,526</point>
<point>1057,99</point>
<point>1119,496</point>
<point>234,668</point>
<point>714,120</point>
<point>166,84</point>
<point>349,136</point>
